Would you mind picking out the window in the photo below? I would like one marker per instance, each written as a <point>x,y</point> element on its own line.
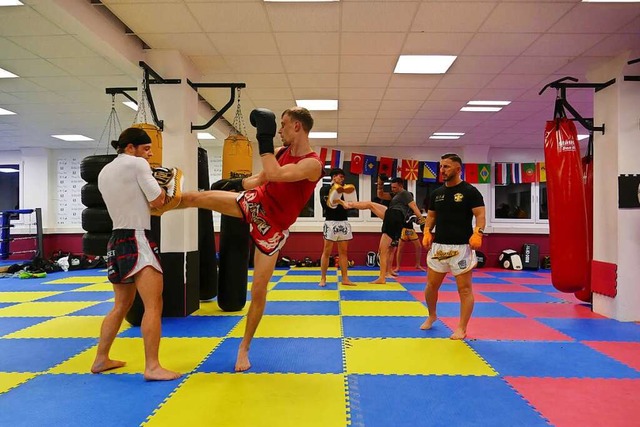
<point>521,203</point>
<point>423,193</point>
<point>9,187</point>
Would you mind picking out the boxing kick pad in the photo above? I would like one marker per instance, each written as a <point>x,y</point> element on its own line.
<point>234,263</point>
<point>170,179</point>
<point>510,260</point>
<point>338,192</point>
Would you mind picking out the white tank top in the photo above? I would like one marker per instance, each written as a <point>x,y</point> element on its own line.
<point>127,187</point>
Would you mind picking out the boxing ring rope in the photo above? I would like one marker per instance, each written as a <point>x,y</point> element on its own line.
<point>5,232</point>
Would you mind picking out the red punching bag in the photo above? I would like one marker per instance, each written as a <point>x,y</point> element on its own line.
<point>587,170</point>
<point>568,235</point>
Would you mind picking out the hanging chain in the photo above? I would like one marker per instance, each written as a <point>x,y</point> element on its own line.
<point>112,127</point>
<point>142,104</point>
<point>238,120</point>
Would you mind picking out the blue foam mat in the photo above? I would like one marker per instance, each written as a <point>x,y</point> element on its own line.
<point>39,354</point>
<point>480,309</point>
<point>303,308</point>
<point>596,329</point>
<point>194,326</point>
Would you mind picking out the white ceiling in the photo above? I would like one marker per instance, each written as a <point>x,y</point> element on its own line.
<point>67,52</point>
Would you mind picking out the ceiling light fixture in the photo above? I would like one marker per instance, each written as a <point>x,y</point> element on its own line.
<point>131,105</point>
<point>299,1</point>
<point>11,3</point>
<point>481,109</point>
<point>444,137</point>
<point>448,134</point>
<point>205,135</point>
<point>73,138</point>
<point>318,104</point>
<point>424,64</point>
<point>323,135</point>
<point>8,170</point>
<point>489,103</point>
<point>610,1</point>
<point>4,112</point>
<point>4,74</point>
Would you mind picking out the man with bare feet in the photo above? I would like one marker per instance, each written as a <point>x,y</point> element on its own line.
<point>452,208</point>
<point>129,188</point>
<point>269,201</point>
<point>393,218</point>
<point>337,229</point>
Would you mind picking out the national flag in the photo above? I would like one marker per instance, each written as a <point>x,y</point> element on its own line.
<point>429,171</point>
<point>462,172</point>
<point>528,172</point>
<point>516,175</point>
<point>410,169</point>
<point>471,172</point>
<point>369,165</point>
<point>357,163</point>
<point>336,159</point>
<point>323,155</point>
<point>501,174</point>
<point>541,172</point>
<point>484,173</point>
<point>385,166</point>
<point>397,167</point>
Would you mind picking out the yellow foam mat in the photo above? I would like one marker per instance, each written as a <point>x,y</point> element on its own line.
<point>66,327</point>
<point>383,308</point>
<point>283,400</point>
<point>9,380</point>
<point>24,296</point>
<point>177,354</point>
<point>44,309</point>
<point>299,295</point>
<point>211,308</point>
<point>418,356</point>
<point>366,286</point>
<point>78,280</point>
<point>314,278</point>
<point>104,286</point>
<point>270,285</point>
<point>293,327</point>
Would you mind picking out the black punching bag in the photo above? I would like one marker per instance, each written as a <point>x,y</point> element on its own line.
<point>234,263</point>
<point>206,237</point>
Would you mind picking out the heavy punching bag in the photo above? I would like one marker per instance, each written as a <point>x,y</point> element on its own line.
<point>587,169</point>
<point>237,161</point>
<point>568,234</point>
<point>206,236</point>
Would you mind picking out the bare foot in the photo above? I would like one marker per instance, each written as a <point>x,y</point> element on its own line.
<point>322,284</point>
<point>106,365</point>
<point>428,323</point>
<point>379,281</point>
<point>348,283</point>
<point>419,267</point>
<point>160,374</point>
<point>395,273</point>
<point>242,361</point>
<point>458,334</point>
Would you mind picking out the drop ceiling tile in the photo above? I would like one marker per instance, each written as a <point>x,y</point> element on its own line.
<point>499,44</point>
<point>157,17</point>
<point>26,21</point>
<point>244,43</point>
<point>536,64</point>
<point>354,94</point>
<point>371,43</point>
<point>414,80</point>
<point>524,17</point>
<point>450,17</point>
<point>400,94</point>
<point>306,43</point>
<point>310,64</point>
<point>190,44</point>
<point>411,105</point>
<point>468,64</point>
<point>52,46</point>
<point>363,80</point>
<point>465,81</point>
<point>382,16</point>
<point>86,66</point>
<point>606,18</point>
<point>34,68</point>
<point>255,64</point>
<point>563,44</point>
<point>368,63</point>
<point>318,80</point>
<point>435,43</point>
<point>452,94</point>
<point>257,80</point>
<point>301,17</point>
<point>315,93</point>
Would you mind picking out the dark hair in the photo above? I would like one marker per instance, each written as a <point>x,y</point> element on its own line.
<point>336,171</point>
<point>302,115</point>
<point>398,181</point>
<point>453,157</point>
<point>135,136</point>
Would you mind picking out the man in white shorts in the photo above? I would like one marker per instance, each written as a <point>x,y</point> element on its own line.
<point>452,208</point>
<point>129,190</point>
<point>336,230</point>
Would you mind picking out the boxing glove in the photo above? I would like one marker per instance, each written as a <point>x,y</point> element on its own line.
<point>475,241</point>
<point>265,123</point>
<point>234,184</point>
<point>383,177</point>
<point>427,238</point>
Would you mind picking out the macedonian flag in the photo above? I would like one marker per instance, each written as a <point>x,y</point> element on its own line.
<point>410,169</point>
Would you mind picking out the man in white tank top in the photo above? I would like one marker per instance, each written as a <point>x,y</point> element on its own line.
<point>129,191</point>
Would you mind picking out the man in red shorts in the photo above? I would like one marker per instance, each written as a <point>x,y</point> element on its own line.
<point>269,201</point>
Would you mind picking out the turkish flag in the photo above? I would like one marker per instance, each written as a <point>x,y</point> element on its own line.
<point>386,166</point>
<point>323,155</point>
<point>357,163</point>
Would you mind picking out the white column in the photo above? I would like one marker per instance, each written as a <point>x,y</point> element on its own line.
<point>35,183</point>
<point>617,231</point>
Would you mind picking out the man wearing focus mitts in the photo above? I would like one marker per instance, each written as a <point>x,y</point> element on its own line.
<point>452,209</point>
<point>269,201</point>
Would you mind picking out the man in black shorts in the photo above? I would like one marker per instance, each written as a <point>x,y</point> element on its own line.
<point>452,208</point>
<point>393,220</point>
<point>129,189</point>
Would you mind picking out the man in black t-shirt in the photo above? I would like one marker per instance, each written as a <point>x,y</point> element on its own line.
<point>336,230</point>
<point>393,220</point>
<point>452,209</point>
